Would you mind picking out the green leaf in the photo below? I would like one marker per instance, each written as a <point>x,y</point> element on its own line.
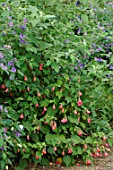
<point>85,17</point>
<point>67,160</point>
<point>51,151</point>
<point>44,162</point>
<point>23,163</point>
<point>19,168</point>
<point>4,156</point>
<point>1,142</point>
<point>73,119</point>
<point>38,154</point>
<point>15,3</point>
<point>20,72</point>
<point>8,83</point>
<point>30,98</point>
<point>59,94</point>
<point>34,22</point>
<point>76,139</point>
<point>79,150</point>
<point>48,63</point>
<point>2,164</point>
<point>45,103</point>
<point>55,66</point>
<point>88,140</point>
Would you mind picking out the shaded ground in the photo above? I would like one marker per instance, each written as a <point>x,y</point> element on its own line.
<point>99,164</point>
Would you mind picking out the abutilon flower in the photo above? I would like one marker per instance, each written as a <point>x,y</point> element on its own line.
<point>64,120</point>
<point>79,102</point>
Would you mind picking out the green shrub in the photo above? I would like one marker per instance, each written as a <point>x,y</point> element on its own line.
<point>56,81</point>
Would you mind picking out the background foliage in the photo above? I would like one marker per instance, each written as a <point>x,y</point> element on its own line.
<point>56,81</point>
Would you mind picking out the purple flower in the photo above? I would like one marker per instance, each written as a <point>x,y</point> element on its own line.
<point>109,76</point>
<point>3,66</point>
<point>94,9</point>
<point>85,56</point>
<point>23,41</point>
<point>80,20</point>
<point>5,110</point>
<point>23,26</point>
<point>11,24</point>
<point>25,20</point>
<point>98,49</point>
<point>7,47</point>
<point>1,108</point>
<point>4,4</point>
<point>11,63</point>
<point>22,36</point>
<point>8,8</point>
<point>81,65</point>
<point>71,20</point>
<point>67,41</point>
<point>2,148</point>
<point>93,45</point>
<point>98,59</point>
<point>3,34</point>
<point>111,67</point>
<point>77,3</point>
<point>1,55</point>
<point>91,6</point>
<point>5,130</point>
<point>79,30</point>
<point>13,69</point>
<point>17,134</point>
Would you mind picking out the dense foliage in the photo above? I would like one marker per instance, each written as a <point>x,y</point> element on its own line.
<point>56,81</point>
